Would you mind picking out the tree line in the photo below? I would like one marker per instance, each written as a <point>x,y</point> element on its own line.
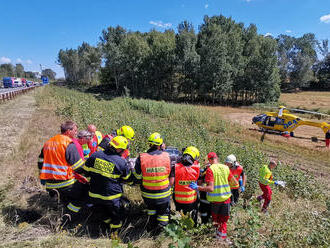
<point>224,62</point>
<point>9,70</point>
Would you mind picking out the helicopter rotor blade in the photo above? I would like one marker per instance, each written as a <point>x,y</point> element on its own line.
<point>307,111</point>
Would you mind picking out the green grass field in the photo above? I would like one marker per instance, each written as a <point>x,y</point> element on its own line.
<point>298,217</point>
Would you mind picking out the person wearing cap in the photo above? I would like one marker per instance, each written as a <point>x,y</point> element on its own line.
<point>265,180</point>
<point>125,131</point>
<point>107,171</point>
<point>83,137</point>
<point>152,170</point>
<point>95,140</point>
<point>185,172</point>
<point>218,179</point>
<point>205,205</point>
<point>238,172</point>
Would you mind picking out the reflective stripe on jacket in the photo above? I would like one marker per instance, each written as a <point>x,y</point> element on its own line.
<point>184,175</point>
<point>55,166</point>
<point>155,171</point>
<point>236,171</point>
<point>221,190</point>
<point>60,185</point>
<point>265,175</point>
<point>107,172</point>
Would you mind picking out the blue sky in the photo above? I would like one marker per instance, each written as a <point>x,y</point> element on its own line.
<point>32,32</point>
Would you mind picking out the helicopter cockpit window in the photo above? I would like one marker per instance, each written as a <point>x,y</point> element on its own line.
<point>261,117</point>
<point>271,121</point>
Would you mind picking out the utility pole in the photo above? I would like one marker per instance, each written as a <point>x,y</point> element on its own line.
<point>40,69</point>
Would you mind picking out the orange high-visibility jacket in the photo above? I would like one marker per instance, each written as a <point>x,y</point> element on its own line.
<point>236,171</point>
<point>55,166</point>
<point>184,175</point>
<point>155,171</point>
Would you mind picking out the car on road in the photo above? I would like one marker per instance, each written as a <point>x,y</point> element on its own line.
<point>9,82</point>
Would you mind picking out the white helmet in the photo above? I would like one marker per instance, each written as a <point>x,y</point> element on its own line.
<point>231,159</point>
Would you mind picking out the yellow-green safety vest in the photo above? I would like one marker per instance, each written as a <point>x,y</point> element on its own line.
<point>221,190</point>
<point>265,175</point>
<point>98,135</point>
<point>85,148</point>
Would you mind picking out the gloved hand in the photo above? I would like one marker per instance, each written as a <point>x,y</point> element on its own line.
<point>131,163</point>
<point>80,178</point>
<point>193,185</point>
<point>281,183</point>
<point>86,152</point>
<point>240,181</point>
<point>242,188</point>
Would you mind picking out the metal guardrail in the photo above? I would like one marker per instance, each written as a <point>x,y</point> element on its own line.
<point>11,94</point>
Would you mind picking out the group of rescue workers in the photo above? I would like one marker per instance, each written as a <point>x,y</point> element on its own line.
<point>87,168</point>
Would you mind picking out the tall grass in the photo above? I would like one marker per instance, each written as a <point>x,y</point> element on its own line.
<point>183,125</point>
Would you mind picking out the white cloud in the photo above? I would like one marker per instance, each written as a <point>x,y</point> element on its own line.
<point>5,60</point>
<point>161,24</point>
<point>29,62</point>
<point>268,34</point>
<point>288,31</point>
<point>19,60</point>
<point>325,18</point>
<point>206,6</point>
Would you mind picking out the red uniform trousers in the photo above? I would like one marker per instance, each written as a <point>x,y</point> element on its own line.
<point>220,215</point>
<point>267,195</point>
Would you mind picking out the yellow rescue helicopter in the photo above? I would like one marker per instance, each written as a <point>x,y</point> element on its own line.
<point>283,121</point>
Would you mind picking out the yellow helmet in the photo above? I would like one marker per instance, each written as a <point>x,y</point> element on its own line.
<point>127,132</point>
<point>192,151</point>
<point>155,139</point>
<point>119,142</point>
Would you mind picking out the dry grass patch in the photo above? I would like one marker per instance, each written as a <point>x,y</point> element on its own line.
<point>28,127</point>
<point>310,100</point>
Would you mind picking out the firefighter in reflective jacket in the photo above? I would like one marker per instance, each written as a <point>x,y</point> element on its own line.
<point>153,168</point>
<point>125,131</point>
<point>238,172</point>
<point>219,179</point>
<point>185,172</point>
<point>96,139</point>
<point>58,161</point>
<point>108,170</point>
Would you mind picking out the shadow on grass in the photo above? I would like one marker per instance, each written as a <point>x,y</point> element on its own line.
<point>91,224</point>
<point>14,215</point>
<point>46,211</point>
<point>100,92</point>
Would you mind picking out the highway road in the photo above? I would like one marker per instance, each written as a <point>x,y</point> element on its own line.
<point>10,93</point>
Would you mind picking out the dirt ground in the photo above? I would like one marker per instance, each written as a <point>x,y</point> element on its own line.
<point>309,100</point>
<point>14,119</point>
<point>22,126</point>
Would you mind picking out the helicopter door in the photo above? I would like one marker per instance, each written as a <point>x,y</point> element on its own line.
<point>270,121</point>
